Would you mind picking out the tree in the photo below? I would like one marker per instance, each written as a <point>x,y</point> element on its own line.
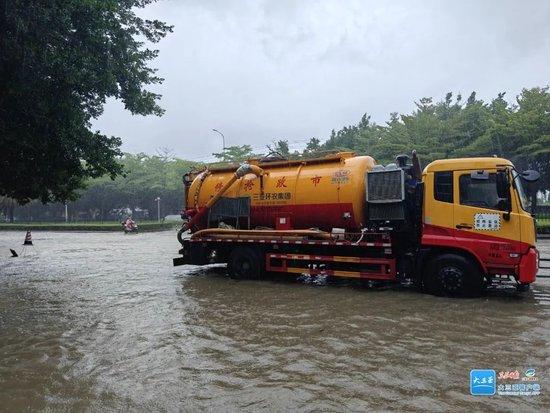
<point>447,129</point>
<point>235,154</point>
<point>530,129</point>
<point>313,148</point>
<point>146,177</point>
<point>280,147</point>
<point>59,61</point>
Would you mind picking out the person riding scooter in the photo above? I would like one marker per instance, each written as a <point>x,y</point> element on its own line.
<point>129,225</point>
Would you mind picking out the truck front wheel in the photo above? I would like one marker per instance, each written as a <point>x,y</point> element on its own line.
<point>453,275</point>
<point>245,262</point>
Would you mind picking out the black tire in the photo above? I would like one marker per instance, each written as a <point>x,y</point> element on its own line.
<point>245,263</point>
<point>453,275</point>
<point>523,288</point>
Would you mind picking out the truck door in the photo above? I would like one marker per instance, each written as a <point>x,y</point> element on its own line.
<point>486,218</point>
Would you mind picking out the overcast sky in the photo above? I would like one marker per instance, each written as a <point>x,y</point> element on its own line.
<point>281,69</point>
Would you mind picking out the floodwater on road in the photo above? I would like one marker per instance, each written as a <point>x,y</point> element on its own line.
<point>102,321</point>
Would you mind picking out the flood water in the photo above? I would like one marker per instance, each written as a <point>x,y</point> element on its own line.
<point>102,321</point>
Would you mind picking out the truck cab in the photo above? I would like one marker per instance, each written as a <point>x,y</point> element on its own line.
<point>476,225</point>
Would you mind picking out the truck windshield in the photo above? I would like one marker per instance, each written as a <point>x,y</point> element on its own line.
<point>524,199</point>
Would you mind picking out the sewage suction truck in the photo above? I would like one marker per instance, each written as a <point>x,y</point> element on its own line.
<point>451,229</point>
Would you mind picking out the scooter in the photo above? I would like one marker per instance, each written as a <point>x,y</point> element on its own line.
<point>130,227</point>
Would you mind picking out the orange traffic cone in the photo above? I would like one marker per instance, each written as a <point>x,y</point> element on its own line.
<point>28,238</point>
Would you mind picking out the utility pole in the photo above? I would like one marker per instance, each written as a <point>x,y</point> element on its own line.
<point>158,208</point>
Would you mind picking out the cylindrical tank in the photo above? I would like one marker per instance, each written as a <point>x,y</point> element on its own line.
<point>320,193</point>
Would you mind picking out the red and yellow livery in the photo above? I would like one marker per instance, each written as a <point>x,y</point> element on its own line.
<point>453,229</point>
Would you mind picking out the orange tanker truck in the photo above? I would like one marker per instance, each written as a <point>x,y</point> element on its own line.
<point>451,229</point>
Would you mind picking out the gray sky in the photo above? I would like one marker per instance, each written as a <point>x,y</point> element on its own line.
<point>281,69</point>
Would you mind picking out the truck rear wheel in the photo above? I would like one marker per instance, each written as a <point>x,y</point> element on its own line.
<point>245,263</point>
<point>453,275</point>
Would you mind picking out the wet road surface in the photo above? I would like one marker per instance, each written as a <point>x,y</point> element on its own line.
<point>102,321</point>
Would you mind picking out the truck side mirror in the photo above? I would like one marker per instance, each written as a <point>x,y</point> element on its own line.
<point>530,175</point>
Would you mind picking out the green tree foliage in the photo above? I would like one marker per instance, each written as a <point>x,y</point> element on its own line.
<point>451,128</point>
<point>313,145</point>
<point>313,148</point>
<point>146,178</point>
<point>235,154</point>
<point>280,147</point>
<point>59,61</point>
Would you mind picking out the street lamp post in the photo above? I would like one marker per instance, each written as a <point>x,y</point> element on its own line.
<point>158,208</point>
<point>223,137</point>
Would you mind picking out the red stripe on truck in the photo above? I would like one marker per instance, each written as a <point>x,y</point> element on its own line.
<point>496,255</point>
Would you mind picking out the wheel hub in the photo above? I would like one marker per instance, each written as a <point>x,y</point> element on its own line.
<point>244,267</point>
<point>452,278</point>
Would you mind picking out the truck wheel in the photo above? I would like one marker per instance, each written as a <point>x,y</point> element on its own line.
<point>453,275</point>
<point>523,288</point>
<point>245,263</point>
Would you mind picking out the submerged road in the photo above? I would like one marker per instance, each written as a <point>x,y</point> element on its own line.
<point>102,321</point>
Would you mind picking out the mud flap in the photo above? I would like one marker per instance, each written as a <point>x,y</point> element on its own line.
<point>184,251</point>
<point>179,261</point>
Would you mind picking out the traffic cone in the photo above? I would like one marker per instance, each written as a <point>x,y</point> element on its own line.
<point>28,238</point>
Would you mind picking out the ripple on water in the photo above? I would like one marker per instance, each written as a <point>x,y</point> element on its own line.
<point>104,322</point>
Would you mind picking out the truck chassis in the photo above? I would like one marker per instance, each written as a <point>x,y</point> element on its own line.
<point>372,258</point>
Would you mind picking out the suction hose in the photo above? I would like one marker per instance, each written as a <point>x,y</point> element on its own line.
<point>241,171</point>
